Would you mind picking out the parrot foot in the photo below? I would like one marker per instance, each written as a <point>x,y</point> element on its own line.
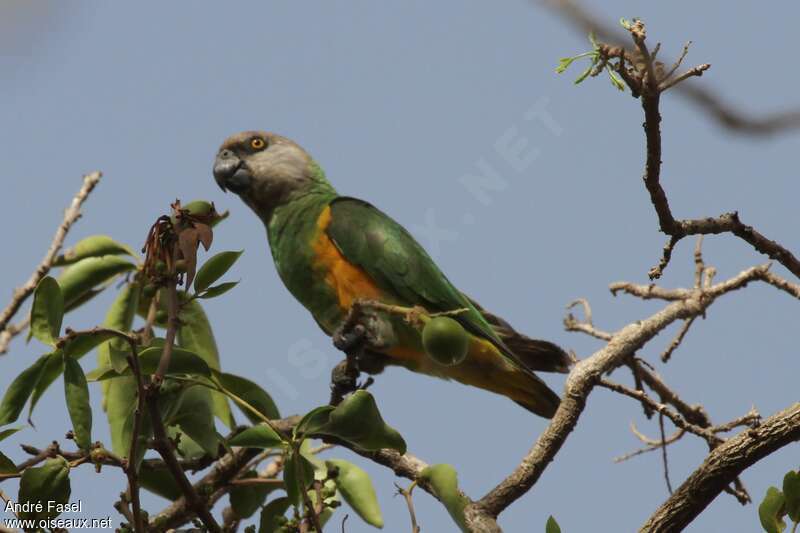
<point>344,380</point>
<point>355,340</point>
<point>351,341</point>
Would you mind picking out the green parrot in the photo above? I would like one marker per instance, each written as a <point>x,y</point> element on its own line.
<point>332,250</point>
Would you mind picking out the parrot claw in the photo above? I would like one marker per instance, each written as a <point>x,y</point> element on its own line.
<point>344,380</point>
<point>350,341</point>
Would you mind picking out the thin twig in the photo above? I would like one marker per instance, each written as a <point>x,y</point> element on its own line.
<point>721,467</point>
<point>650,447</point>
<point>313,516</point>
<point>699,264</point>
<point>71,215</point>
<point>676,341</point>
<point>662,409</point>
<point>163,446</point>
<point>725,114</point>
<point>132,470</point>
<point>172,329</point>
<point>161,441</point>
<point>695,71</point>
<point>585,326</point>
<point>664,459</point>
<point>406,493</point>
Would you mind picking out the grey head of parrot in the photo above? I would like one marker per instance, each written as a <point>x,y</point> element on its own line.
<point>266,170</point>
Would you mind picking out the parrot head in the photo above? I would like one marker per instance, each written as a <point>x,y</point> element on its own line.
<point>266,170</point>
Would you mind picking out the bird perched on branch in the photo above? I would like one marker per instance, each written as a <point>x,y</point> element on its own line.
<point>331,251</point>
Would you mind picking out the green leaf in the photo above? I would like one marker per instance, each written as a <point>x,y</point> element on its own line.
<point>272,515</point>
<point>45,484</point>
<point>182,362</point>
<point>298,473</point>
<point>47,311</point>
<point>118,355</point>
<point>121,410</point>
<point>88,273</point>
<point>19,391</point>
<point>160,481</point>
<point>251,393</point>
<point>119,317</point>
<point>552,526</point>
<point>52,369</point>
<point>79,301</point>
<point>84,342</point>
<point>214,268</point>
<point>76,393</point>
<point>791,492</point>
<point>770,512</point>
<point>246,499</point>
<point>92,246</point>
<point>593,40</point>
<point>615,81</point>
<point>358,421</point>
<point>218,290</point>
<point>8,432</point>
<point>320,469</point>
<point>7,466</point>
<point>444,481</point>
<point>314,421</point>
<point>357,490</point>
<point>564,63</point>
<point>260,436</point>
<point>584,74</point>
<point>194,418</point>
<point>195,334</point>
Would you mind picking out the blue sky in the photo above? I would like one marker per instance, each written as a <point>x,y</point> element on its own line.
<point>401,104</point>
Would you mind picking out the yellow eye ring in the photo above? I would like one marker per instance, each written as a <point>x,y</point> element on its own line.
<point>257,143</point>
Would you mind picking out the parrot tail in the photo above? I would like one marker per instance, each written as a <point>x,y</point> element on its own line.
<point>539,399</point>
<point>535,354</point>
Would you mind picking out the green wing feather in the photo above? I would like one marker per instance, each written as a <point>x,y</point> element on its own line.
<point>398,264</point>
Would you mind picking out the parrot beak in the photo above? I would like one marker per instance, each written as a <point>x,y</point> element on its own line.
<point>230,172</point>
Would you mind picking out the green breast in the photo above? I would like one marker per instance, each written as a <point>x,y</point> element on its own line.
<point>291,231</point>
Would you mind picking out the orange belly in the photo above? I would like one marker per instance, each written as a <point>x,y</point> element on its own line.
<point>349,282</point>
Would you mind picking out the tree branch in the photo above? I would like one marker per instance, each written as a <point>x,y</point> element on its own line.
<point>721,467</point>
<point>71,215</point>
<point>722,112</point>
<point>586,374</point>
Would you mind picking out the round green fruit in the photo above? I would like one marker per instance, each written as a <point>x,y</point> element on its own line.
<point>149,290</point>
<point>445,341</point>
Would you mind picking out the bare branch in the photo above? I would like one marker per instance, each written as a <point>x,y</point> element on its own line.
<point>584,326</point>
<point>579,385</point>
<point>406,493</point>
<point>652,446</point>
<point>696,71</point>
<point>664,451</point>
<point>71,215</point>
<point>722,466</point>
<point>677,340</point>
<point>723,113</point>
<point>662,409</point>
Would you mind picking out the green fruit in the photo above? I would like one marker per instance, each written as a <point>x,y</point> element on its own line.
<point>149,291</point>
<point>445,341</point>
<point>161,316</point>
<point>197,208</point>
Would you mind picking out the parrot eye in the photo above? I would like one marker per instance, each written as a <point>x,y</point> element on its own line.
<point>257,143</point>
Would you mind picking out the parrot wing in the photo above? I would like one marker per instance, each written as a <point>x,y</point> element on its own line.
<point>370,239</point>
<point>537,354</point>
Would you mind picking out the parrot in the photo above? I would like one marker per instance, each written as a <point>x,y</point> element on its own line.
<point>331,251</point>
